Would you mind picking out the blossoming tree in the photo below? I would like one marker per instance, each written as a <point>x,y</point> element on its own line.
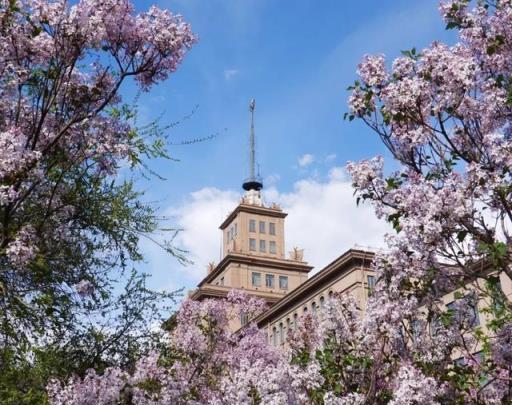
<point>204,362</point>
<point>64,132</point>
<point>445,114</point>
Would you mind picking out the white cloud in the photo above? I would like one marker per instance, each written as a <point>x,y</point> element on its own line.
<point>271,179</point>
<point>306,160</point>
<point>230,73</point>
<point>330,158</point>
<point>200,216</point>
<point>322,218</point>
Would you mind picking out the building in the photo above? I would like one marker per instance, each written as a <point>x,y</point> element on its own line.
<point>350,273</point>
<point>254,259</point>
<point>253,249</point>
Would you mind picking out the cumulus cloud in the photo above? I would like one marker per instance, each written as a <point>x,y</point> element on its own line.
<point>199,217</point>
<point>271,179</point>
<point>306,160</point>
<point>230,73</point>
<point>323,219</point>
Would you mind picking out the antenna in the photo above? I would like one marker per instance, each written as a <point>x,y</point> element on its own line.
<point>253,182</point>
<point>252,151</point>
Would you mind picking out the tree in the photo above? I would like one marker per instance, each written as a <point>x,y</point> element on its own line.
<point>445,114</point>
<point>204,362</point>
<point>69,228</point>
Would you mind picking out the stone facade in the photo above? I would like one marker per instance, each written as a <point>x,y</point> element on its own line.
<point>254,257</point>
<point>283,281</point>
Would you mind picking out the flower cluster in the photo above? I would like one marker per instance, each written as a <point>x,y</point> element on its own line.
<point>204,362</point>
<point>64,133</point>
<point>445,114</point>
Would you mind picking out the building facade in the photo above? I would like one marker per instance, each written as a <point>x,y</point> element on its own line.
<point>254,259</point>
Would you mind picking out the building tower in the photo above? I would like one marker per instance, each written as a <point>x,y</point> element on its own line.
<point>253,248</point>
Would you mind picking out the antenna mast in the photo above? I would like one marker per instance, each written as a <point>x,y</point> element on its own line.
<point>252,151</point>
<point>253,182</point>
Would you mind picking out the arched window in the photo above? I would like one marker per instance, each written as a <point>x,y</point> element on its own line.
<point>313,308</point>
<point>274,336</point>
<point>322,302</point>
<point>305,310</point>
<point>288,326</point>
<point>281,333</point>
<point>295,318</point>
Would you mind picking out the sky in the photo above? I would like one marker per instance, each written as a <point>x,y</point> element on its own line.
<point>296,58</point>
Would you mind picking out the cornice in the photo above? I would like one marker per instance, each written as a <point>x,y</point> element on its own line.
<point>216,291</point>
<point>253,209</point>
<point>343,264</point>
<point>282,264</point>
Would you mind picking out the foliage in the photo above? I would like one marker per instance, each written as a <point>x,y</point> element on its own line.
<point>445,114</point>
<point>69,228</point>
<point>204,362</point>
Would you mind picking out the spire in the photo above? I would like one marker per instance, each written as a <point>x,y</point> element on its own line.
<point>253,182</point>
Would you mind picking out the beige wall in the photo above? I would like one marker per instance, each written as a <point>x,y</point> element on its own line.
<point>236,235</point>
<point>479,285</point>
<point>353,282</point>
<point>237,275</point>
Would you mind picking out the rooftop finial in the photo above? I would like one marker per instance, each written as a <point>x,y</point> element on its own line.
<point>252,105</point>
<point>253,182</point>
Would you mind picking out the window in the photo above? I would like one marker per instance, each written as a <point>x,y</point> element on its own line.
<point>256,279</point>
<point>252,244</point>
<point>263,246</point>
<point>288,325</point>
<point>262,227</point>
<point>272,246</point>
<point>269,280</point>
<point>305,310</point>
<point>435,325</point>
<point>271,228</point>
<point>471,314</point>
<point>281,333</point>
<point>461,362</point>
<point>475,319</point>
<point>274,336</point>
<point>244,318</point>
<point>416,328</point>
<point>295,319</point>
<point>252,225</point>
<point>313,308</point>
<point>322,302</point>
<point>222,281</point>
<point>370,280</point>
<point>283,282</point>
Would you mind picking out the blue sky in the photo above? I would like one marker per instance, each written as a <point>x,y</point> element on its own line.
<point>296,58</point>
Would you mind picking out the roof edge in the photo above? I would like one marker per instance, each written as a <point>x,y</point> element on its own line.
<point>344,260</point>
<point>283,264</point>
<point>254,209</point>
